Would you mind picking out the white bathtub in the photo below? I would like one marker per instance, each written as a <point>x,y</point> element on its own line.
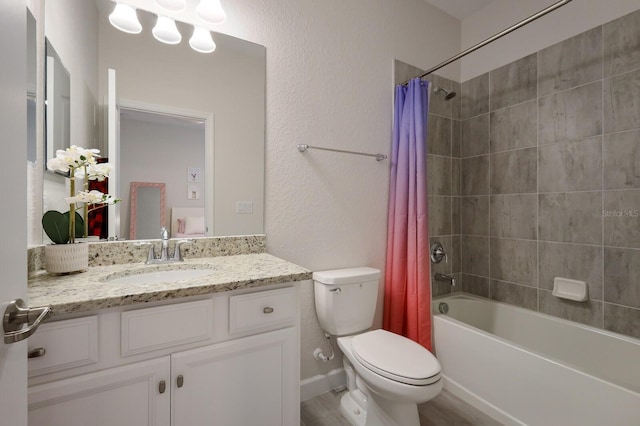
<point>523,367</point>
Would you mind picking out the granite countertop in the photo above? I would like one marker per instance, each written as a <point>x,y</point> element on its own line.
<point>90,290</point>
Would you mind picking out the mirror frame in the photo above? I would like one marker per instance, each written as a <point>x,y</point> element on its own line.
<point>134,204</point>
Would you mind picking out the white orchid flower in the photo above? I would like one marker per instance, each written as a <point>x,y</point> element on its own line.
<point>92,197</point>
<point>72,158</point>
<point>98,171</point>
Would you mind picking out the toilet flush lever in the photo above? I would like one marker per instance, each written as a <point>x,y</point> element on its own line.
<point>336,290</point>
<point>438,253</point>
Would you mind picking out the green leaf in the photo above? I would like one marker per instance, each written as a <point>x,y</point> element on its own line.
<point>56,226</point>
<point>79,224</point>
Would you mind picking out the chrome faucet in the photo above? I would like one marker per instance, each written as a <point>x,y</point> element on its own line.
<point>164,253</point>
<point>445,278</point>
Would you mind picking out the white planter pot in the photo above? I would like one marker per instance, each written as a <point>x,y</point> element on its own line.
<point>66,258</point>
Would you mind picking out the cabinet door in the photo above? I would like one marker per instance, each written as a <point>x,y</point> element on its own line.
<point>244,382</point>
<point>122,396</point>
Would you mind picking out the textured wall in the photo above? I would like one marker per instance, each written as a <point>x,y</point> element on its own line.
<point>550,177</point>
<point>330,83</point>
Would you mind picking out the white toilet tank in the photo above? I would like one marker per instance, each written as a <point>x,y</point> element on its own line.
<point>346,299</point>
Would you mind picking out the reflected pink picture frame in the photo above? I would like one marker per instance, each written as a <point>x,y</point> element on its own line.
<point>133,204</point>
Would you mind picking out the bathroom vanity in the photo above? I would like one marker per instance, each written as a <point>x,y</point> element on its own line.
<point>217,349</point>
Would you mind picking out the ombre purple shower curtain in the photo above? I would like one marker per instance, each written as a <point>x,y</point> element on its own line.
<point>407,294</point>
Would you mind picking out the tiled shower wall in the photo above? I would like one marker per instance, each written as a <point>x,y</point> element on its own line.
<point>443,167</point>
<point>550,178</point>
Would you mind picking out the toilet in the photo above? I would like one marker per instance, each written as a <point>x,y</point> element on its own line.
<point>388,375</point>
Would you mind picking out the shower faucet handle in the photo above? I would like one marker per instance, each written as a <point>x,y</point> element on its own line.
<point>438,253</point>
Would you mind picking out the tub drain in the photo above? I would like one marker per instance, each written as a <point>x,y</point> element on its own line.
<point>443,308</point>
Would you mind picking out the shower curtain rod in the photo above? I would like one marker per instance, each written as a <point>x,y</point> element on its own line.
<point>303,148</point>
<point>492,38</point>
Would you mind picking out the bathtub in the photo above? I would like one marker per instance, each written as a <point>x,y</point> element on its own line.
<point>523,367</point>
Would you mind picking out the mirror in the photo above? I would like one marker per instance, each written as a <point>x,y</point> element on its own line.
<point>147,210</point>
<point>57,102</point>
<point>228,86</point>
<point>32,56</point>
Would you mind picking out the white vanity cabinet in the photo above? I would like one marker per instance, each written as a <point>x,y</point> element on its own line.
<point>230,359</point>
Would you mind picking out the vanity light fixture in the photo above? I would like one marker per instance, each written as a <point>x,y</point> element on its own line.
<point>211,12</point>
<point>125,19</point>
<point>172,5</point>
<point>166,31</point>
<point>201,40</point>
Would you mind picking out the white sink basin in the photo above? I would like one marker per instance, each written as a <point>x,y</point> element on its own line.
<point>162,276</point>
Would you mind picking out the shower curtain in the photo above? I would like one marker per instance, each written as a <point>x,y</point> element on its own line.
<point>407,294</point>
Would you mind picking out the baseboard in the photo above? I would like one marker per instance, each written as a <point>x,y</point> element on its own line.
<point>322,383</point>
<point>479,403</point>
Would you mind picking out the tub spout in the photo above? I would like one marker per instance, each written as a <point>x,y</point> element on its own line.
<point>445,278</point>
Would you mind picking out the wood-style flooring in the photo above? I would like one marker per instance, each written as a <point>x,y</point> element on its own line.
<point>444,410</point>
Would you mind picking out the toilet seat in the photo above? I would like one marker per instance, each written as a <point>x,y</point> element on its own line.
<point>396,358</point>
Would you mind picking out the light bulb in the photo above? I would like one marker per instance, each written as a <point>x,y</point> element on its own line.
<point>166,31</point>
<point>211,11</point>
<point>201,40</point>
<point>172,5</point>
<point>125,19</point>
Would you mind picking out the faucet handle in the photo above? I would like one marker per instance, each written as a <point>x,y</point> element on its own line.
<point>151,256</point>
<point>164,234</point>
<point>177,254</point>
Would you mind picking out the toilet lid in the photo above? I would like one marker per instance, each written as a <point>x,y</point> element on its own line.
<point>396,357</point>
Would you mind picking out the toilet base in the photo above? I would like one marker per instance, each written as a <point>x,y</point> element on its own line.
<point>352,410</point>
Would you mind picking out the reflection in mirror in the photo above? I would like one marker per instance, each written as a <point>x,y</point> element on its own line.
<point>227,85</point>
<point>57,102</point>
<point>151,138</point>
<point>147,210</point>
<point>32,147</point>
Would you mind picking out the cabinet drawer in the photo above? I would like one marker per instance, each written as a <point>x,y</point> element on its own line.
<point>67,344</point>
<point>151,329</point>
<point>262,310</point>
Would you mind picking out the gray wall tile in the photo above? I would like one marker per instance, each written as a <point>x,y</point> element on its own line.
<point>570,63</point>
<point>514,127</point>
<point>475,255</point>
<point>439,288</point>
<point>514,171</point>
<point>622,218</point>
<point>439,215</point>
<point>622,44</point>
<point>439,135</point>
<point>572,114</point>
<point>475,175</point>
<point>456,103</point>
<point>438,175</point>
<point>456,218</point>
<point>474,213</point>
<point>475,285</point>
<point>514,294</point>
<point>620,319</point>
<point>514,216</point>
<point>456,138</point>
<point>622,102</point>
<point>622,276</point>
<point>456,176</point>
<point>475,136</point>
<point>514,261</point>
<point>570,166</point>
<point>474,96</point>
<point>514,83</point>
<point>454,254</point>
<point>574,217</point>
<point>576,262</point>
<point>622,160</point>
<point>589,312</point>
